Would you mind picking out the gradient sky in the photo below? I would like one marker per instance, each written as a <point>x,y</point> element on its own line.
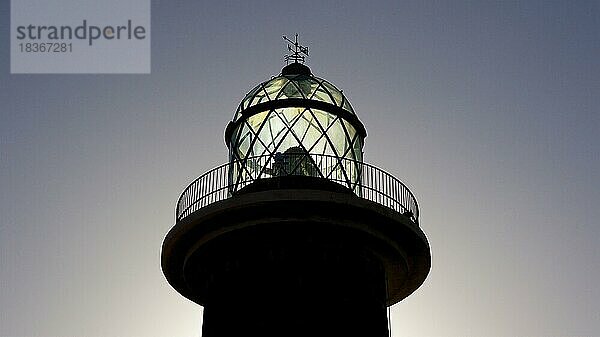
<point>487,110</point>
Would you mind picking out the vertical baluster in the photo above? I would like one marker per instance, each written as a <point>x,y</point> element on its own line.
<point>206,194</point>
<point>190,196</point>
<point>393,194</point>
<point>380,187</point>
<point>197,189</point>
<point>211,189</point>
<point>224,180</point>
<point>387,189</point>
<point>371,183</point>
<point>203,191</point>
<point>213,186</point>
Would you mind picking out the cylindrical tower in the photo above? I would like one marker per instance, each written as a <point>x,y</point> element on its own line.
<point>296,235</point>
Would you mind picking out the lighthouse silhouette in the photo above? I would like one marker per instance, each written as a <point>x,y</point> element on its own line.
<point>296,235</point>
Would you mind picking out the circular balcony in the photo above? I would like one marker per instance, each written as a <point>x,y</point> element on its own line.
<point>364,180</point>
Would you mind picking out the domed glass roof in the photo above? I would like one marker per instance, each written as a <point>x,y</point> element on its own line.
<point>294,86</point>
<point>295,123</point>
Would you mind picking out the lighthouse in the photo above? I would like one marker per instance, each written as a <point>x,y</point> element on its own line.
<point>296,235</point>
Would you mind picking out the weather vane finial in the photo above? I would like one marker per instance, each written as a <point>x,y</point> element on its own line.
<point>296,49</point>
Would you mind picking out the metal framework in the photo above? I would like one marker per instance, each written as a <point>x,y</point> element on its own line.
<point>372,184</point>
<point>299,115</point>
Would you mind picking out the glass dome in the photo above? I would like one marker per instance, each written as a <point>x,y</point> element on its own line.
<point>294,86</point>
<point>295,124</point>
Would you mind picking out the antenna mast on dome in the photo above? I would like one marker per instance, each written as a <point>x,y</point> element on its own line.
<point>296,49</point>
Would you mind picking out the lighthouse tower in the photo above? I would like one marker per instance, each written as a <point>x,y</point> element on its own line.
<point>296,235</point>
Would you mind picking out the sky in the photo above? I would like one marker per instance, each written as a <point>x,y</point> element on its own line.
<point>487,110</point>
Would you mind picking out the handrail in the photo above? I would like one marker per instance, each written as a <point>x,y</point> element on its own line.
<point>369,182</point>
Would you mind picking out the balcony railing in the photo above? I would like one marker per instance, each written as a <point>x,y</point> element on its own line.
<point>364,180</point>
